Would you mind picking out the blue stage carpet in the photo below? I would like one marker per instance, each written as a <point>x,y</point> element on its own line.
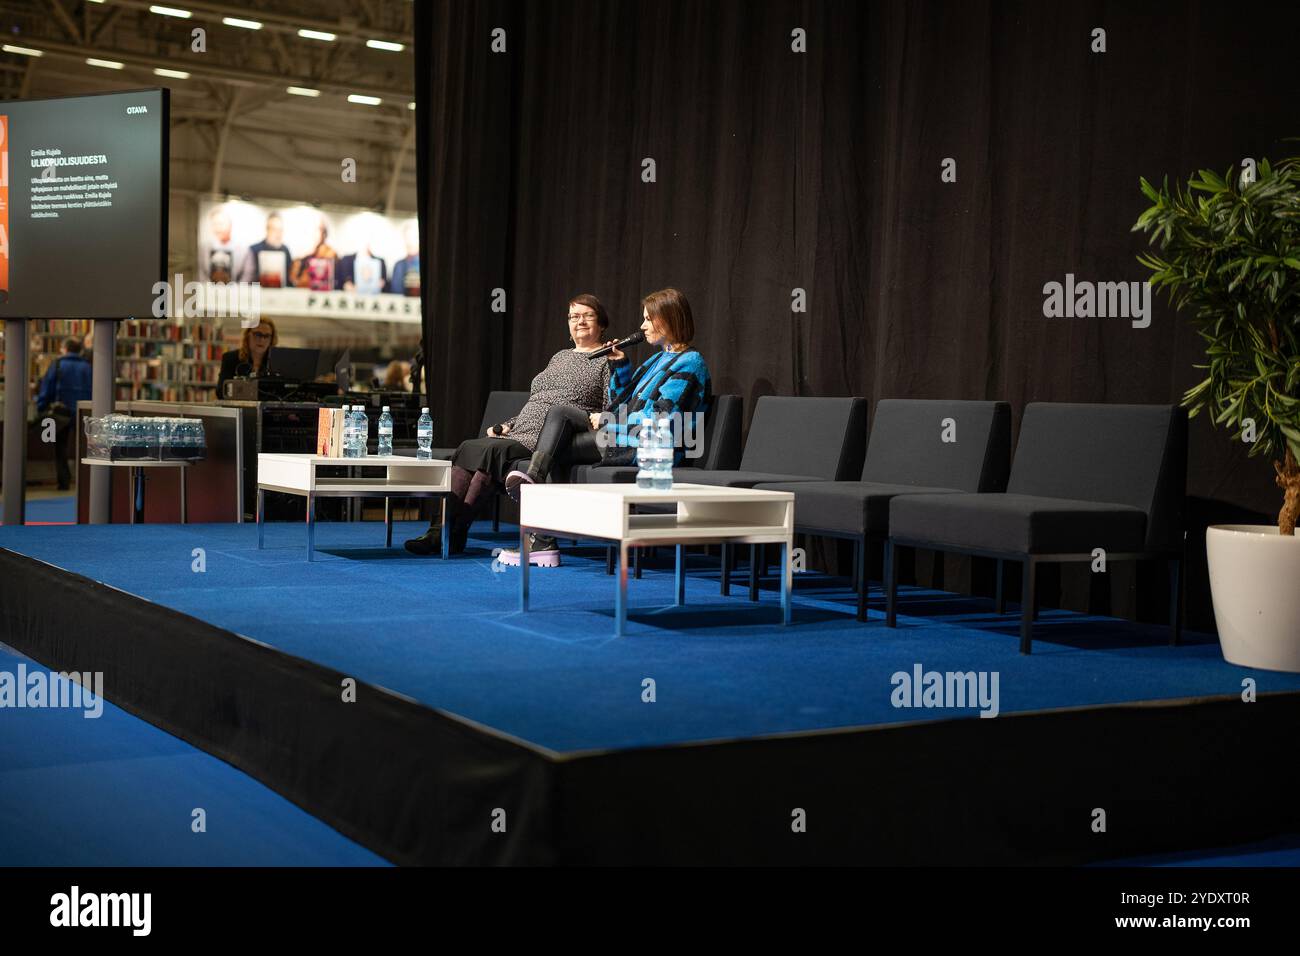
<point>116,791</point>
<point>449,635</point>
<point>61,510</point>
<point>1281,851</point>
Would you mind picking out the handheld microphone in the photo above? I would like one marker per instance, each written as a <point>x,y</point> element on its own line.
<point>636,338</point>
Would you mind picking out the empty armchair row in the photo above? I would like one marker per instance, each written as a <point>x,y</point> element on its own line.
<point>1087,480</point>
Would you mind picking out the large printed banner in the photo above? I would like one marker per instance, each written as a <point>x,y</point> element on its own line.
<point>250,302</point>
<point>307,261</point>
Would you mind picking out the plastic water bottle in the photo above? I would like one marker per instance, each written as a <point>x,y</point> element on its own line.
<point>363,430</point>
<point>663,471</point>
<point>385,432</point>
<point>349,433</point>
<point>424,436</point>
<point>645,455</point>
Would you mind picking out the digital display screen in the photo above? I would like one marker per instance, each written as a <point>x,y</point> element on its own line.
<point>83,205</point>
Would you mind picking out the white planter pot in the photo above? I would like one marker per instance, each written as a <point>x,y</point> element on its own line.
<point>1255,584</point>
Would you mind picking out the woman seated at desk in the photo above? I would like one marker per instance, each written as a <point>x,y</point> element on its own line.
<point>253,357</point>
<point>570,380</point>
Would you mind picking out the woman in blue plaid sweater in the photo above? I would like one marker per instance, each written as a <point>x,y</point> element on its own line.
<point>673,382</point>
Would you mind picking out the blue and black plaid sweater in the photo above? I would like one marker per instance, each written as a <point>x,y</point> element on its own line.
<point>665,383</point>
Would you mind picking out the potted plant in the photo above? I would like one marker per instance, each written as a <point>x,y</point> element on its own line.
<point>1226,250</point>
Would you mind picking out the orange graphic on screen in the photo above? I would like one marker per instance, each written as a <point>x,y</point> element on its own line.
<point>4,203</point>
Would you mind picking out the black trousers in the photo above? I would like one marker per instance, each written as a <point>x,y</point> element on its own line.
<point>566,439</point>
<point>61,436</point>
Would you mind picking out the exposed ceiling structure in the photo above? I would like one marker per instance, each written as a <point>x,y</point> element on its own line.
<point>236,127</point>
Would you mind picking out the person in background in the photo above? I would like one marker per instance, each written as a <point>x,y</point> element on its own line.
<point>66,382</point>
<point>276,262</point>
<point>253,357</point>
<point>397,377</point>
<point>673,381</point>
<point>361,272</point>
<point>570,379</point>
<point>406,274</point>
<point>216,254</point>
<point>316,269</point>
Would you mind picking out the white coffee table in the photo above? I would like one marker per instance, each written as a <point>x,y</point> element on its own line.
<point>403,478</point>
<point>705,515</point>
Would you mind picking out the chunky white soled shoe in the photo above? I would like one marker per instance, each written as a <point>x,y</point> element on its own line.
<point>542,553</point>
<point>514,481</point>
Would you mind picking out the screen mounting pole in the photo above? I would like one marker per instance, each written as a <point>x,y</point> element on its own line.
<point>15,444</point>
<point>103,370</point>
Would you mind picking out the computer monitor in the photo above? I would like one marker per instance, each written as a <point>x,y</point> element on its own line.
<point>296,364</point>
<point>328,359</point>
<point>343,372</point>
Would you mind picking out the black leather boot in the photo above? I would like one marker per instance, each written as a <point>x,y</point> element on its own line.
<point>428,543</point>
<point>459,537</point>
<point>539,466</point>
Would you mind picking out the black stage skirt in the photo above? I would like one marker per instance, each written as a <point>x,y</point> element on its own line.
<point>493,455</point>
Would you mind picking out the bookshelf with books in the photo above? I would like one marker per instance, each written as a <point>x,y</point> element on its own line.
<point>162,360</point>
<point>157,359</point>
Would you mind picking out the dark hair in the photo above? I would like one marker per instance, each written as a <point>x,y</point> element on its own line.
<point>669,309</point>
<point>591,302</point>
<point>72,346</point>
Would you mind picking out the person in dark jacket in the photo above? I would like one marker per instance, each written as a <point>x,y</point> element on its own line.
<point>278,259</point>
<point>66,382</point>
<point>253,357</point>
<point>361,272</point>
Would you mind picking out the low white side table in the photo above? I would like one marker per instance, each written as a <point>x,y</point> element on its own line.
<point>403,478</point>
<point>705,515</point>
<point>137,477</point>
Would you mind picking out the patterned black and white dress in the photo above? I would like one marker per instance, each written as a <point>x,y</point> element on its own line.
<point>570,378</point>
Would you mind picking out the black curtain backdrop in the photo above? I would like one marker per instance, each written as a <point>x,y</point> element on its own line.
<point>778,170</point>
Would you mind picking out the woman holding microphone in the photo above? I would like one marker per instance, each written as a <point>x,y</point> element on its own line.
<point>570,380</point>
<point>673,381</point>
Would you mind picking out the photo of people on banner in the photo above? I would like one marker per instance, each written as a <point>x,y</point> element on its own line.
<point>285,247</point>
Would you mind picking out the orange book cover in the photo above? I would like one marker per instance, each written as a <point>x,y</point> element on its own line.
<point>324,431</point>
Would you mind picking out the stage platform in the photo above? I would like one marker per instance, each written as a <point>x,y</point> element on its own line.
<point>470,717</point>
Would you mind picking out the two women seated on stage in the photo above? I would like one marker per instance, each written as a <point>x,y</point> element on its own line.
<point>673,382</point>
<point>561,424</point>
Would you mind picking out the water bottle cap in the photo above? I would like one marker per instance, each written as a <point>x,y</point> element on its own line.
<point>424,411</point>
<point>385,408</point>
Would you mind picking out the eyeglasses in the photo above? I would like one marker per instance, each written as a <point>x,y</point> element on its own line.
<point>578,317</point>
<point>261,335</point>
